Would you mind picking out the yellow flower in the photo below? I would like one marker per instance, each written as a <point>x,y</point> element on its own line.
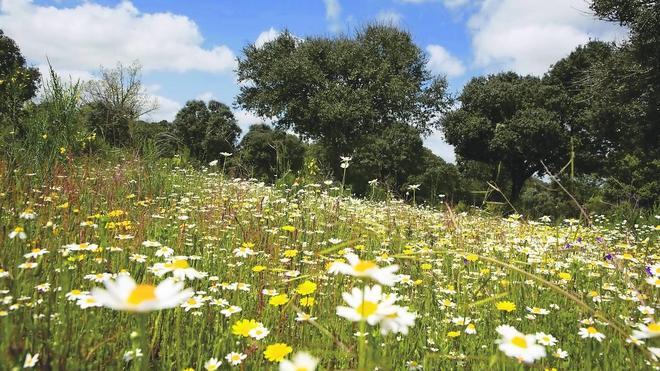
<point>453,334</point>
<point>243,327</point>
<point>258,268</point>
<point>565,276</point>
<point>505,306</point>
<point>62,150</point>
<point>307,302</point>
<point>426,266</point>
<point>276,352</point>
<point>278,300</point>
<point>306,288</point>
<point>290,253</point>
<point>471,257</point>
<point>288,228</point>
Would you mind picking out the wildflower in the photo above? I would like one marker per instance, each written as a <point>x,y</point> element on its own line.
<point>125,294</point>
<point>537,310</point>
<point>28,214</point>
<point>518,345</point>
<point>213,163</point>
<point>258,268</point>
<point>505,306</point>
<point>132,354</point>
<point>243,327</point>
<point>259,332</point>
<point>398,322</point>
<point>192,303</point>
<point>31,360</point>
<point>366,268</point>
<point>306,288</point>
<point>560,353</point>
<point>35,253</point>
<point>301,361</point>
<point>276,352</point>
<point>545,339</point>
<point>302,317</point>
<point>307,301</point>
<point>179,267</point>
<point>289,228</point>
<point>453,334</point>
<point>366,305</point>
<point>18,232</point>
<point>565,276</point>
<point>278,300</point>
<point>591,332</point>
<point>231,310</point>
<point>212,364</point>
<point>470,329</point>
<point>88,301</point>
<point>235,358</point>
<point>647,331</point>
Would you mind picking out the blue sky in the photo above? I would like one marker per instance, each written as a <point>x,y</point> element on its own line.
<point>188,48</point>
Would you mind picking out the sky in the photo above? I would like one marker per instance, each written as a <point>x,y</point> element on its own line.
<point>188,49</point>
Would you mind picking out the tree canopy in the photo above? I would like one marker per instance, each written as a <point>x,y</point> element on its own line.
<point>18,81</point>
<point>207,129</point>
<point>508,119</point>
<point>339,90</point>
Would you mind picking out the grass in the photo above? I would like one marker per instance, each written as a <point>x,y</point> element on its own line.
<point>455,266</point>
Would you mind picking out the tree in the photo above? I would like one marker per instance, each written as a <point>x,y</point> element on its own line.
<point>512,120</point>
<point>390,156</point>
<point>207,130</point>
<point>18,82</point>
<point>116,100</point>
<point>337,91</point>
<point>268,152</point>
<point>585,120</point>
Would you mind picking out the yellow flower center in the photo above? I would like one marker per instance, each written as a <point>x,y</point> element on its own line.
<point>654,327</point>
<point>367,308</point>
<point>519,341</point>
<point>36,250</point>
<point>302,368</point>
<point>141,293</point>
<point>178,264</point>
<point>364,265</point>
<point>592,330</point>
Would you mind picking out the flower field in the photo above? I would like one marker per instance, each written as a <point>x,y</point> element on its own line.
<point>141,266</point>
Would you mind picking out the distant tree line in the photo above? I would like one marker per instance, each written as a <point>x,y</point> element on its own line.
<point>588,126</point>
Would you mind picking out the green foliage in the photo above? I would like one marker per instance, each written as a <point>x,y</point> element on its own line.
<point>115,101</point>
<point>18,83</point>
<point>207,130</point>
<point>508,119</point>
<point>51,129</point>
<point>340,90</point>
<point>268,154</point>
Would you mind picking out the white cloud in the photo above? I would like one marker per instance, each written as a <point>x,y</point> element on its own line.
<point>436,143</point>
<point>528,36</point>
<point>89,35</point>
<point>167,109</point>
<point>266,36</point>
<point>389,17</point>
<point>206,96</point>
<point>246,119</point>
<point>442,62</point>
<point>332,14</point>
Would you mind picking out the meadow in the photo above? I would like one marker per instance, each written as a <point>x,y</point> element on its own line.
<point>252,276</point>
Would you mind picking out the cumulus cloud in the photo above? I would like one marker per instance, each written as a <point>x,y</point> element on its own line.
<point>89,35</point>
<point>266,36</point>
<point>436,143</point>
<point>389,17</point>
<point>528,36</point>
<point>332,14</point>
<point>442,62</point>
